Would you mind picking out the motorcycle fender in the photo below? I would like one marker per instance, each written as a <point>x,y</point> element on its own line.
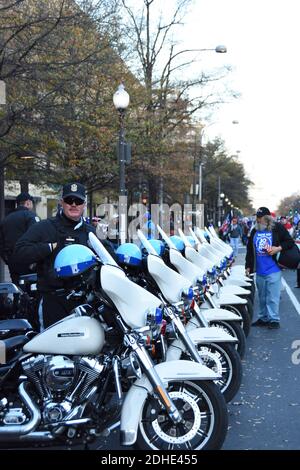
<point>236,290</point>
<point>138,392</point>
<point>215,314</point>
<point>236,282</point>
<point>229,299</point>
<point>211,334</point>
<point>199,336</point>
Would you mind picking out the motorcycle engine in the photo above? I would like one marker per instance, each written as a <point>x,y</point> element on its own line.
<point>59,373</point>
<point>61,381</point>
<point>50,373</point>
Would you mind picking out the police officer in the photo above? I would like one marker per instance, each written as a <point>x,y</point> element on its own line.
<point>11,229</point>
<point>41,244</point>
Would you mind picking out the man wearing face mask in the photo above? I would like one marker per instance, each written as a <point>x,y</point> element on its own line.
<point>267,238</point>
<point>42,242</point>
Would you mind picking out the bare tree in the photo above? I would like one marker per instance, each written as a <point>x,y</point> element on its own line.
<point>166,106</point>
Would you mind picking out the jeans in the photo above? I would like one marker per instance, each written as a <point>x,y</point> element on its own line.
<point>234,242</point>
<point>268,288</point>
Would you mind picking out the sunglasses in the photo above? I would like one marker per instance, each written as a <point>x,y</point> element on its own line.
<point>70,200</point>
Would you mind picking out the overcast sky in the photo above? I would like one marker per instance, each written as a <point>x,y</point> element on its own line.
<point>262,38</point>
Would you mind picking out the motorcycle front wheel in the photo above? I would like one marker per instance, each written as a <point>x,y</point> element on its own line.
<point>225,361</point>
<point>234,329</point>
<point>204,419</point>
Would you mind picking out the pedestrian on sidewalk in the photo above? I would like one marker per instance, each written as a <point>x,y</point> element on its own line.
<point>235,233</point>
<point>13,226</point>
<point>266,240</point>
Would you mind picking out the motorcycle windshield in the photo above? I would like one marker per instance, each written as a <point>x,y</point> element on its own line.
<point>183,238</point>
<point>145,243</point>
<point>101,251</point>
<point>166,238</point>
<point>194,236</point>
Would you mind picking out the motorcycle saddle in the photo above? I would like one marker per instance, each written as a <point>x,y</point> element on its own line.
<point>13,346</point>
<point>14,327</point>
<point>27,278</point>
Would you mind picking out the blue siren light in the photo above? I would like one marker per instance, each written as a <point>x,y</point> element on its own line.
<point>158,315</point>
<point>73,260</point>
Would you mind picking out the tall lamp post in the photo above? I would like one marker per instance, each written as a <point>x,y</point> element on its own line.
<point>121,101</point>
<point>220,201</point>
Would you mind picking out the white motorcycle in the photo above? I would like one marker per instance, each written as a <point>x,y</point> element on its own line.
<point>83,375</point>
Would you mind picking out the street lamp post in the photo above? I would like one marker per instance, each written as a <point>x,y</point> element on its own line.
<point>121,101</point>
<point>220,201</point>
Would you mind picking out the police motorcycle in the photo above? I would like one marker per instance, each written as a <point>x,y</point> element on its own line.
<point>237,271</point>
<point>214,252</point>
<point>218,265</point>
<point>227,300</point>
<point>214,316</point>
<point>86,374</point>
<point>211,346</point>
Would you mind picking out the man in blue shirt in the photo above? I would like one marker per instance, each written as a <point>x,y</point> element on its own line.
<point>266,240</point>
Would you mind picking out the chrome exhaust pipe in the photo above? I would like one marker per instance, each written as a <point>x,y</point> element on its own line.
<point>15,431</point>
<point>36,437</point>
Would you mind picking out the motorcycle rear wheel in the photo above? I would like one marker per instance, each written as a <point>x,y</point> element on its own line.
<point>204,414</point>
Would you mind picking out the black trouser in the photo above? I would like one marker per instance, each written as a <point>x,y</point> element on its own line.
<point>298,277</point>
<point>53,308</point>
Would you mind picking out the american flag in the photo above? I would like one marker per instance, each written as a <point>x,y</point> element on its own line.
<point>226,223</point>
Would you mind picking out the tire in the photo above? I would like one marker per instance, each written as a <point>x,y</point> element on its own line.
<point>250,308</point>
<point>242,311</point>
<point>225,360</point>
<point>203,409</point>
<point>233,328</point>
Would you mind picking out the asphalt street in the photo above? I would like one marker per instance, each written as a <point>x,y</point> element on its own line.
<point>265,414</point>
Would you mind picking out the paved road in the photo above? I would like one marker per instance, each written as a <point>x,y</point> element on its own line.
<point>266,412</point>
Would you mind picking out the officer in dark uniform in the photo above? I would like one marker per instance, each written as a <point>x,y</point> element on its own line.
<point>41,245</point>
<point>11,229</point>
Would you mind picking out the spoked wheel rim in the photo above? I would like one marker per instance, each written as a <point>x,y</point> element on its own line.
<point>228,329</point>
<point>192,433</point>
<point>218,360</point>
